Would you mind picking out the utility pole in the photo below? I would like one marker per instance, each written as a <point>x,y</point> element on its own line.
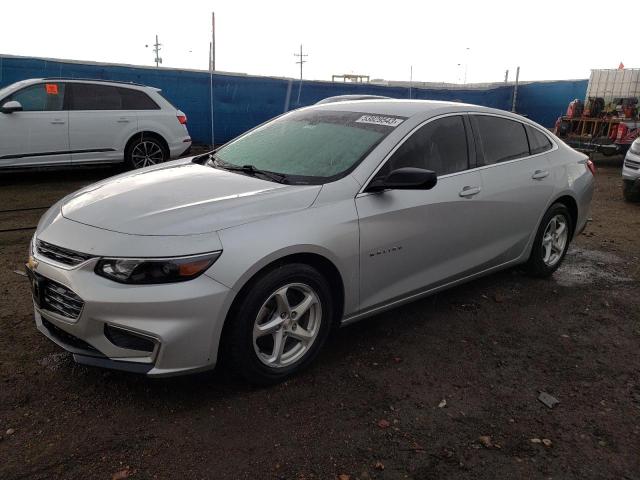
<point>515,91</point>
<point>156,49</point>
<point>301,62</point>
<point>466,64</point>
<point>212,67</point>
<point>410,80</point>
<point>506,76</point>
<point>213,41</point>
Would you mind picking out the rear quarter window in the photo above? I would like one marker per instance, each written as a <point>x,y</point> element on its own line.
<point>501,139</point>
<point>136,100</point>
<point>538,141</point>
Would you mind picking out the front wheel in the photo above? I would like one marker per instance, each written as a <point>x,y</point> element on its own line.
<point>551,242</point>
<point>144,152</point>
<point>280,324</point>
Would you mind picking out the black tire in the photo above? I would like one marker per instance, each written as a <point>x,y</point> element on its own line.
<point>157,149</point>
<point>630,193</point>
<point>536,265</point>
<point>238,342</point>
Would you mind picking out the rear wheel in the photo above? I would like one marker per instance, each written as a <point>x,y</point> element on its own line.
<point>551,242</point>
<point>280,324</point>
<point>144,151</point>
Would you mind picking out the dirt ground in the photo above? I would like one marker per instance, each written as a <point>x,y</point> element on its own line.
<point>446,387</point>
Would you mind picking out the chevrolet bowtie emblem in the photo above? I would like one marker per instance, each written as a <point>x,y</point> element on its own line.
<point>32,263</point>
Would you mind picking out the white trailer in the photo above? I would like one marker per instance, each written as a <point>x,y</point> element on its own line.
<point>614,83</point>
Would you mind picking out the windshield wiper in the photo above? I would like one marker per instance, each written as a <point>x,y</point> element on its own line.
<point>248,169</point>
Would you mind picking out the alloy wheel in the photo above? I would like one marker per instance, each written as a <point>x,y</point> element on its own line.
<point>287,324</point>
<point>146,153</point>
<point>554,240</point>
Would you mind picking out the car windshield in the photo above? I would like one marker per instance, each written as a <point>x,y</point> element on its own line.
<point>310,146</point>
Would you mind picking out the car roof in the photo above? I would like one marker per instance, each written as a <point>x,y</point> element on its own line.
<point>137,86</point>
<point>411,108</point>
<point>345,98</point>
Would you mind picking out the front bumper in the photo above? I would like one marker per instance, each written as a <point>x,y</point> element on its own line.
<point>173,327</point>
<point>631,167</point>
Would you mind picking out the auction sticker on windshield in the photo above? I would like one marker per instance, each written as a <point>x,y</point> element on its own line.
<point>380,120</point>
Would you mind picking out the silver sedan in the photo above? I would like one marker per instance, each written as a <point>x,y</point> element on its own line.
<point>318,218</point>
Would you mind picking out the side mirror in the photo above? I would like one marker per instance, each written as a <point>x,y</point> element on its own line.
<point>406,178</point>
<point>11,106</point>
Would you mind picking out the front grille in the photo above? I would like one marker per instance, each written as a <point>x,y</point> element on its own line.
<point>632,164</point>
<point>61,255</point>
<point>59,299</point>
<point>66,337</point>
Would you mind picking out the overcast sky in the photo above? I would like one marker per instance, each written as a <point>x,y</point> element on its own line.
<point>380,39</point>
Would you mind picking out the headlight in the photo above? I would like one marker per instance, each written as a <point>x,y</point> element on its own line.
<point>635,147</point>
<point>155,270</point>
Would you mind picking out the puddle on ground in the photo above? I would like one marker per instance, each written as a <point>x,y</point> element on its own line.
<point>582,266</point>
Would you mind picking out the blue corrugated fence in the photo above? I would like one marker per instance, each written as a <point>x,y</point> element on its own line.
<point>242,101</point>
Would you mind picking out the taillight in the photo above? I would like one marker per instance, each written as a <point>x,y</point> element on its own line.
<point>591,166</point>
<point>182,119</point>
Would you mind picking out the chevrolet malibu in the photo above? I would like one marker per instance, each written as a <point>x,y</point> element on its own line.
<point>321,217</point>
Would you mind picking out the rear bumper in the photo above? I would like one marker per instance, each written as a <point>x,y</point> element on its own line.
<point>180,147</point>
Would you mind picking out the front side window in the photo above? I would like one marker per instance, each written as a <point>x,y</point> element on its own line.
<point>501,139</point>
<point>310,146</point>
<point>87,96</point>
<point>440,146</point>
<point>538,141</point>
<point>42,97</point>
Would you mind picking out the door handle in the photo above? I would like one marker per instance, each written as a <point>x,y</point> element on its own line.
<point>58,121</point>
<point>469,191</point>
<point>123,120</point>
<point>540,174</point>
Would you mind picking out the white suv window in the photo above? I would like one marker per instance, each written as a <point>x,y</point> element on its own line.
<point>42,97</point>
<point>89,96</point>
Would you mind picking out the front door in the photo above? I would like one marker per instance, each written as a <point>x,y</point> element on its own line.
<point>39,134</point>
<point>411,240</point>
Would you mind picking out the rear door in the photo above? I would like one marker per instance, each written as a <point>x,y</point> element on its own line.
<point>516,181</point>
<point>38,135</point>
<point>414,239</point>
<point>99,126</point>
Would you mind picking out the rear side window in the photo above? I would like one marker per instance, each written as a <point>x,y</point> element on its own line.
<point>42,97</point>
<point>136,100</point>
<point>440,146</point>
<point>86,96</point>
<point>538,141</point>
<point>501,139</point>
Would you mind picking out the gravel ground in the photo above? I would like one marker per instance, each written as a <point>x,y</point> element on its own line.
<point>446,387</point>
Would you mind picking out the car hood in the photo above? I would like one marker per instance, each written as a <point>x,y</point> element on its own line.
<point>182,198</point>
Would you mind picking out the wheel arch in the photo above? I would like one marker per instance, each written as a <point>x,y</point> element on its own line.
<point>320,262</point>
<point>143,134</point>
<point>571,204</point>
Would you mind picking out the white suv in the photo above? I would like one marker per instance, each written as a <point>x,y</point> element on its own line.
<point>55,121</point>
<point>631,173</point>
